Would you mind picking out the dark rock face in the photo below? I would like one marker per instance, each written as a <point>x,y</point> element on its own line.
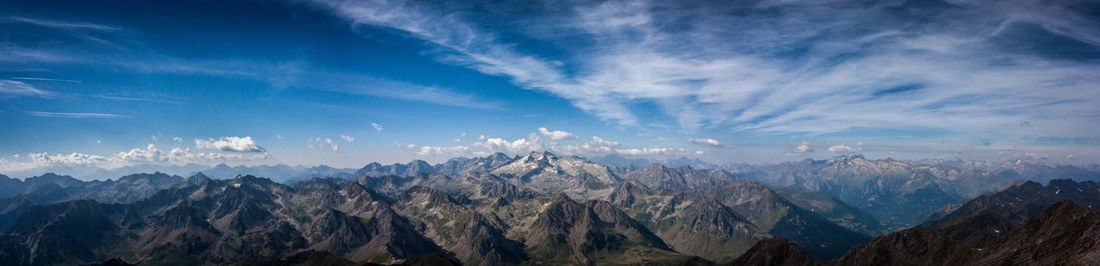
<point>998,213</point>
<point>917,246</point>
<point>71,232</point>
<point>774,252</point>
<point>1064,234</point>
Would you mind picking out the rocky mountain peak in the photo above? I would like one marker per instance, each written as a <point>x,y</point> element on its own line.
<point>627,192</point>
<point>428,196</point>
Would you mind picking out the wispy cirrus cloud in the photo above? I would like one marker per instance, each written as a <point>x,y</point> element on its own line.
<point>789,67</point>
<point>46,79</point>
<point>130,54</point>
<point>58,24</point>
<point>385,88</point>
<point>12,88</point>
<point>74,115</point>
<point>137,99</point>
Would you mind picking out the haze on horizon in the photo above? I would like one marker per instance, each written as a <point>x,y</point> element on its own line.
<point>342,83</point>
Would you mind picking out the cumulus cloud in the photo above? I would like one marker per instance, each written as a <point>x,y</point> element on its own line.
<point>233,144</point>
<point>541,142</point>
<point>148,154</point>
<point>347,138</point>
<point>69,159</point>
<point>518,146</point>
<point>377,127</point>
<point>804,147</point>
<point>650,151</point>
<point>555,135</point>
<point>325,143</point>
<point>440,151</point>
<point>842,149</point>
<point>705,142</point>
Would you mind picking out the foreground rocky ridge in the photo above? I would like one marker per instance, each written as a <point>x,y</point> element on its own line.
<point>996,229</point>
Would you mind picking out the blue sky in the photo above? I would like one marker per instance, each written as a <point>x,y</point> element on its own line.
<point>343,83</point>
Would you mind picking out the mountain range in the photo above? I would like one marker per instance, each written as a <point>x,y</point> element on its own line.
<point>901,193</point>
<point>542,208</point>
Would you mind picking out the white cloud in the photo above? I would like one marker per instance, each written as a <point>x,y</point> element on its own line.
<point>377,127</point>
<point>177,139</point>
<point>804,147</point>
<point>12,88</point>
<point>440,151</point>
<point>71,159</point>
<point>533,142</point>
<point>457,140</point>
<point>347,138</point>
<point>319,143</point>
<point>842,149</point>
<point>519,146</point>
<point>650,151</point>
<point>705,142</point>
<point>149,154</point>
<point>555,135</point>
<point>233,144</point>
<point>278,136</point>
